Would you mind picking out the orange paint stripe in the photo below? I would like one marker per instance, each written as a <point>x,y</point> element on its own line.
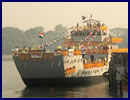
<point>93,65</point>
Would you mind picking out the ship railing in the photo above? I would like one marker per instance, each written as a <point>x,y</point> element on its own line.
<point>72,70</point>
<point>66,53</point>
<point>14,53</point>
<point>35,55</point>
<point>93,27</point>
<point>95,64</point>
<point>87,51</point>
<point>120,50</point>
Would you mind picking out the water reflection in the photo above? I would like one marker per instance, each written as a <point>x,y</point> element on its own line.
<point>91,91</point>
<point>13,87</point>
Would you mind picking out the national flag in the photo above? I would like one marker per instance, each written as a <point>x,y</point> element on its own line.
<point>41,35</point>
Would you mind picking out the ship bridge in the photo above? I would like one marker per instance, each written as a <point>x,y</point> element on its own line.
<point>92,29</point>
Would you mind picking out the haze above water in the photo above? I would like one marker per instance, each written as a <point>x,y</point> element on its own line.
<point>26,15</point>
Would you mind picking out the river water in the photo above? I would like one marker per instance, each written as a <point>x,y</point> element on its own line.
<point>13,87</point>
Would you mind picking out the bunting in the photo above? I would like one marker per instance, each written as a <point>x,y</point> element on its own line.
<point>68,36</point>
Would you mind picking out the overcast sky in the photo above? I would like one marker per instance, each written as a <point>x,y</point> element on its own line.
<point>27,15</point>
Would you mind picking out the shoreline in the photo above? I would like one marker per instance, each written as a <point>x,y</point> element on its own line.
<point>6,57</point>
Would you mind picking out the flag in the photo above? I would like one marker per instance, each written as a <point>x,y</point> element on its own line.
<point>83,17</point>
<point>45,44</point>
<point>77,24</point>
<point>91,16</point>
<point>41,35</point>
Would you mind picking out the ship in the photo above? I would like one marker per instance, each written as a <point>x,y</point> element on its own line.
<point>83,57</point>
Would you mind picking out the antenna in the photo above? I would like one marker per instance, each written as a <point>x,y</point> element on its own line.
<point>91,16</point>
<point>116,33</point>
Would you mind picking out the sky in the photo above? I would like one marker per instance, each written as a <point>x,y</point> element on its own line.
<point>26,15</point>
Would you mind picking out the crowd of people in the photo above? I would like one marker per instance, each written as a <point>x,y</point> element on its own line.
<point>89,26</point>
<point>25,49</point>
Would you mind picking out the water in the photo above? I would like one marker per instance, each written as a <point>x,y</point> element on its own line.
<point>13,87</point>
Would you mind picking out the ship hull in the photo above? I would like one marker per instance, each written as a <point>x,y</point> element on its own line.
<point>73,81</point>
<point>50,72</point>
